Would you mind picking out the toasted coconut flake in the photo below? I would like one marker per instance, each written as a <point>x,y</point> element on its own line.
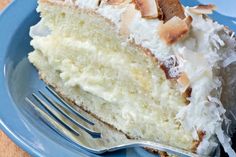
<point>188,20</point>
<point>115,2</point>
<point>187,94</point>
<point>171,8</point>
<point>203,9</point>
<point>170,67</point>
<point>184,82</point>
<point>126,20</point>
<point>148,8</point>
<point>174,29</point>
<point>196,143</point>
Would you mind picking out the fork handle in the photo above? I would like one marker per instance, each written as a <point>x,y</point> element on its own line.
<point>166,148</point>
<point>156,146</point>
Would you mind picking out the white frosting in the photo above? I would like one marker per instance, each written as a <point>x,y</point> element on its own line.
<point>198,55</point>
<point>112,12</point>
<point>87,3</point>
<point>39,30</point>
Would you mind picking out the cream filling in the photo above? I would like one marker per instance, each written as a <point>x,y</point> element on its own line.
<point>90,78</point>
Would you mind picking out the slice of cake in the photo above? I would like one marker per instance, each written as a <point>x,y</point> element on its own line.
<point>150,68</point>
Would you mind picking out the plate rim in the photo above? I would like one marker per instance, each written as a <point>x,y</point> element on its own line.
<point>3,126</point>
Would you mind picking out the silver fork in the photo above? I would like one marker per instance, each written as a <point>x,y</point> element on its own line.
<point>85,130</point>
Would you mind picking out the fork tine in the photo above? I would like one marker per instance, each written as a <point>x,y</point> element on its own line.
<point>49,119</point>
<point>50,89</point>
<point>58,116</point>
<point>75,119</point>
<point>77,137</point>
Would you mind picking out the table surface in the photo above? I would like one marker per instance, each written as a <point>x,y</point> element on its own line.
<point>7,147</point>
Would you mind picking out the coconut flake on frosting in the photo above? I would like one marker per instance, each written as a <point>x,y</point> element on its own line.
<point>184,82</point>
<point>174,29</point>
<point>148,8</point>
<point>126,20</point>
<point>203,9</point>
<point>171,8</point>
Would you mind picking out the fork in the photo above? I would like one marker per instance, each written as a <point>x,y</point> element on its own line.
<point>87,131</point>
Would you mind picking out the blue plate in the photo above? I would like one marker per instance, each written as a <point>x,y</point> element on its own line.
<point>18,79</point>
